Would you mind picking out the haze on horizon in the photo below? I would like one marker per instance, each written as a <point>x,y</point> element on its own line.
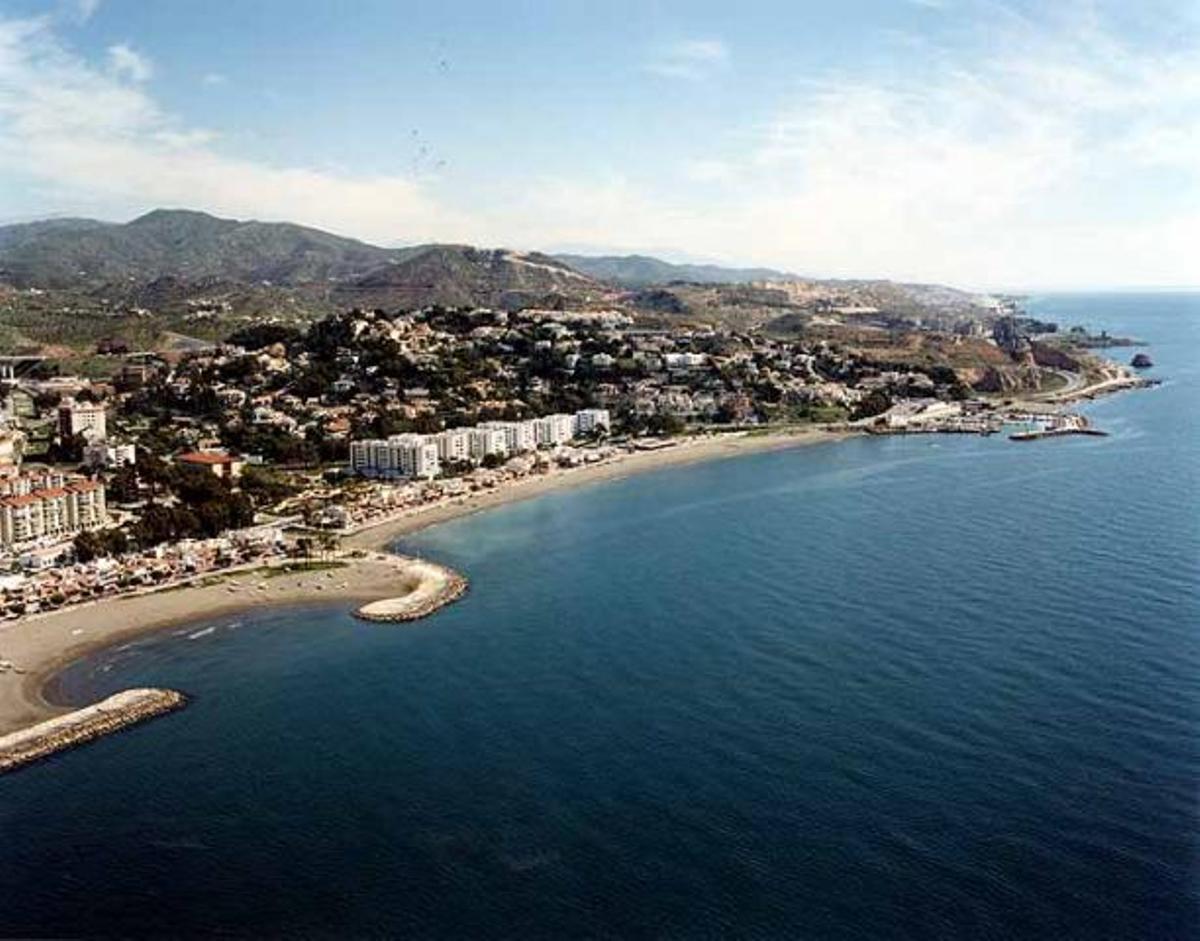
<point>981,144</point>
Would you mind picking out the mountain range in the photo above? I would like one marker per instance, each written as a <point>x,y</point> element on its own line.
<point>174,262</point>
<point>639,271</point>
<point>195,246</point>
<point>165,256</point>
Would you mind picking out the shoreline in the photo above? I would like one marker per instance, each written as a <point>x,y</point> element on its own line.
<point>379,535</point>
<point>42,646</point>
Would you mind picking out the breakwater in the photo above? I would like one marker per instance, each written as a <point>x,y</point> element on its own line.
<point>1056,433</point>
<point>117,712</point>
<point>436,587</point>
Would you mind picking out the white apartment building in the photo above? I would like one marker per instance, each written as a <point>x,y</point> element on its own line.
<point>103,454</point>
<point>519,436</point>
<point>82,418</point>
<point>554,430</point>
<point>589,419</point>
<point>485,441</point>
<point>398,456</point>
<point>454,444</point>
<point>413,455</point>
<point>684,360</point>
<point>48,506</point>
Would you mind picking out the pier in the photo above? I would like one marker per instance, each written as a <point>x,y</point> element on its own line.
<point>1057,426</point>
<point>1056,432</point>
<point>117,712</point>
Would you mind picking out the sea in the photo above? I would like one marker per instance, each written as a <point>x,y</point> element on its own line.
<point>911,687</point>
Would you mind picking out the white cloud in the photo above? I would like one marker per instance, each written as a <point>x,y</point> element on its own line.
<point>1049,153</point>
<point>88,138</point>
<point>709,171</point>
<point>86,9</point>
<point>1064,156</point>
<point>690,59</point>
<point>124,61</point>
<point>213,78</point>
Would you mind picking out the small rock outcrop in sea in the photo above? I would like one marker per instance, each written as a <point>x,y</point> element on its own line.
<point>1141,361</point>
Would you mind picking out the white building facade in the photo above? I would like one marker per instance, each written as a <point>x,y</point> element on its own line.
<point>45,506</point>
<point>82,418</point>
<point>398,456</point>
<point>590,419</point>
<point>413,455</point>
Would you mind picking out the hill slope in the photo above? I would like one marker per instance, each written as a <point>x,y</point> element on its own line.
<point>65,253</point>
<point>637,271</point>
<point>168,258</point>
<point>459,275</point>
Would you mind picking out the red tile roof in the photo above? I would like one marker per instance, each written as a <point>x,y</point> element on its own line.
<point>205,457</point>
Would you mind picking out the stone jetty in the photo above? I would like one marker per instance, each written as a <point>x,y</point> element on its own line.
<point>431,587</point>
<point>117,712</point>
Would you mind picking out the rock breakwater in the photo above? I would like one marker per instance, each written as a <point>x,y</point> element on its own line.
<point>117,712</point>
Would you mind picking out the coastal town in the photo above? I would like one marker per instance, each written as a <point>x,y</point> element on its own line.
<point>556,470</point>
<point>280,463</point>
<point>278,443</point>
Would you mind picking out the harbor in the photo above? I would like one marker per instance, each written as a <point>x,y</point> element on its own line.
<point>923,417</point>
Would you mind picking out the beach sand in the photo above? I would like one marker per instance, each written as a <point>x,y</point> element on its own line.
<point>42,645</point>
<point>691,451</point>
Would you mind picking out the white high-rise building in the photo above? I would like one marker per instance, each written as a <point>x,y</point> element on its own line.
<point>555,430</point>
<point>519,436</point>
<point>398,456</point>
<point>454,444</point>
<point>45,506</point>
<point>589,419</point>
<point>413,455</point>
<point>485,441</point>
<point>418,456</point>
<point>82,418</point>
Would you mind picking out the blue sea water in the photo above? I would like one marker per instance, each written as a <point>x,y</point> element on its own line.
<point>924,687</point>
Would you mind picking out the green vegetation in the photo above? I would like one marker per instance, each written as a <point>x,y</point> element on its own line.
<point>98,543</point>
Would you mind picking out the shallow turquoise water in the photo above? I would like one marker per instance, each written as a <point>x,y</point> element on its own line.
<point>905,688</point>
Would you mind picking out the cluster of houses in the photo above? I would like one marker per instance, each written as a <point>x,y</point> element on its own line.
<point>424,456</point>
<point>46,589</point>
<point>526,362</point>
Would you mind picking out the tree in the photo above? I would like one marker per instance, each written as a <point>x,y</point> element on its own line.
<point>68,450</point>
<point>876,402</point>
<point>666,425</point>
<point>328,542</point>
<point>87,547</point>
<point>123,486</point>
<point>265,487</point>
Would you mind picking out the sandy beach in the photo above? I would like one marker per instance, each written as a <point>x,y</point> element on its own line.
<point>690,451</point>
<point>41,645</point>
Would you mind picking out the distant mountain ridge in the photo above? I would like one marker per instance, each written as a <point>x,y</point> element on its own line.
<point>638,271</point>
<point>178,243</point>
<point>168,255</point>
<point>179,262</point>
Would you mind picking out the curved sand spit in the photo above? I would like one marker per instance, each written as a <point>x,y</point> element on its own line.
<point>431,587</point>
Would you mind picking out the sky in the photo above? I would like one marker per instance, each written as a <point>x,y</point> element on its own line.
<point>980,143</point>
